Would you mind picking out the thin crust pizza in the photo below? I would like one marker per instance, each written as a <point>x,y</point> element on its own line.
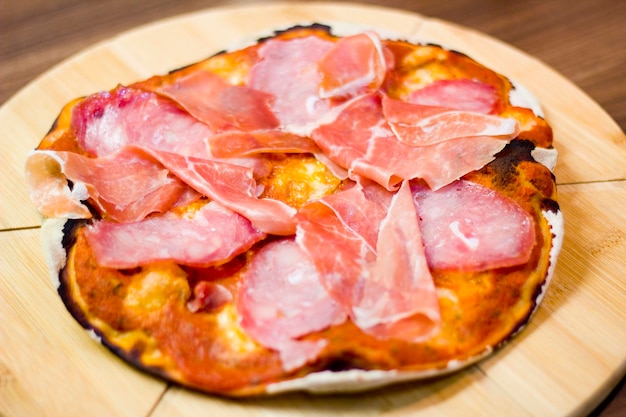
<point>310,212</point>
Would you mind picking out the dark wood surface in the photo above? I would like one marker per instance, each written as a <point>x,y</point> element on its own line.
<point>583,40</point>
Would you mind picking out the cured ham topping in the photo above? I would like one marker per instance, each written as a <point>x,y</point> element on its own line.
<point>281,300</point>
<point>420,125</point>
<point>232,186</point>
<point>213,236</point>
<point>127,185</point>
<point>346,225</point>
<point>361,140</point>
<point>373,261</point>
<point>462,94</point>
<point>466,226</point>
<point>107,121</point>
<point>399,300</point>
<point>209,296</point>
<point>287,70</point>
<point>355,64</point>
<point>222,106</point>
<point>234,144</point>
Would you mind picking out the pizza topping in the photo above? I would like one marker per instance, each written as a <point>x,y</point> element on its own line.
<point>461,94</point>
<point>213,236</point>
<point>466,226</point>
<point>361,140</point>
<point>232,186</point>
<point>288,71</point>
<point>234,144</point>
<point>281,300</point>
<point>420,125</point>
<point>209,296</point>
<point>399,299</point>
<point>373,263</point>
<point>354,65</point>
<point>127,185</point>
<point>107,121</point>
<point>220,105</point>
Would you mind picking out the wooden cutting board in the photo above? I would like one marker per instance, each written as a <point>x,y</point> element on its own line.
<point>564,363</point>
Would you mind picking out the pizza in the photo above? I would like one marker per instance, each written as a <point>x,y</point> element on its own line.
<point>312,211</point>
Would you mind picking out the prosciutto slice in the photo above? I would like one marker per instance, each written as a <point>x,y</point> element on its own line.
<point>281,300</point>
<point>107,121</point>
<point>354,65</point>
<point>222,106</point>
<point>461,94</point>
<point>213,236</point>
<point>420,125</point>
<point>346,225</point>
<point>361,140</point>
<point>466,226</point>
<point>399,299</point>
<point>287,69</point>
<point>373,260</point>
<point>127,185</point>
<point>232,186</point>
<point>237,143</point>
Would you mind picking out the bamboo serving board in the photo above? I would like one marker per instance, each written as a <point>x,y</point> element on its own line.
<point>564,363</point>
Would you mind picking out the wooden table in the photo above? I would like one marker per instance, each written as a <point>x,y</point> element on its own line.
<point>583,41</point>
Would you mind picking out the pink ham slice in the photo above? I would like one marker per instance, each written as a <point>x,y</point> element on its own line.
<point>287,70</point>
<point>462,94</point>
<point>127,185</point>
<point>466,226</point>
<point>237,143</point>
<point>360,140</point>
<point>420,125</point>
<point>209,296</point>
<point>213,236</point>
<point>107,121</point>
<point>281,300</point>
<point>346,225</point>
<point>399,299</point>
<point>356,64</point>
<point>232,186</point>
<point>222,106</point>
<point>373,260</point>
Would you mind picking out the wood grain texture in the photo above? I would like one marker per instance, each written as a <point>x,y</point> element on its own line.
<point>570,356</point>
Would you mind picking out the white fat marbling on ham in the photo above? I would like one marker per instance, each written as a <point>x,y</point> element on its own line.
<point>222,106</point>
<point>360,140</point>
<point>282,299</point>
<point>461,94</point>
<point>422,125</point>
<point>467,226</point>
<point>354,65</point>
<point>127,185</point>
<point>108,121</point>
<point>232,186</point>
<point>287,70</point>
<point>213,236</point>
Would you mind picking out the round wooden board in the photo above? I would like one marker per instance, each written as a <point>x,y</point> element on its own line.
<point>564,363</point>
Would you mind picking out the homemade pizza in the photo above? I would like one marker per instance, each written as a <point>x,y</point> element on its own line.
<point>312,211</point>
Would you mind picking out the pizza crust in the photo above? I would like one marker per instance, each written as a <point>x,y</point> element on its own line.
<point>54,252</point>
